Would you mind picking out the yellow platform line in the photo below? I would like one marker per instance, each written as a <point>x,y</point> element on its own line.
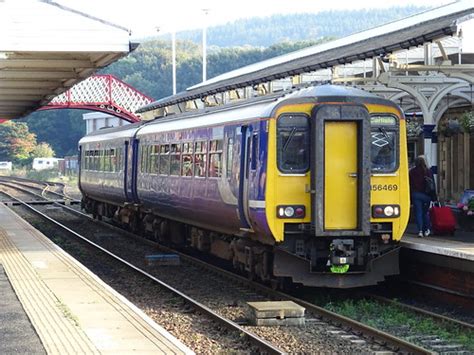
<point>58,332</point>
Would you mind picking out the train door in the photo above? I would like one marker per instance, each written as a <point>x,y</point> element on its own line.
<point>80,164</point>
<point>127,174</point>
<point>341,170</point>
<point>243,200</point>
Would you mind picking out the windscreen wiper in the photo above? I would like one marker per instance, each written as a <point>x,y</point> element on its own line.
<point>290,138</point>
<point>385,134</point>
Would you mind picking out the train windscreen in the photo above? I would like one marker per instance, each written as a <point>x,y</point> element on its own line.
<point>384,144</point>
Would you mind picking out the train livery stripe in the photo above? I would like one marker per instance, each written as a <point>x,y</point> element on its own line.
<point>256,204</point>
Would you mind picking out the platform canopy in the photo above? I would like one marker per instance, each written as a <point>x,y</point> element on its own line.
<point>45,48</point>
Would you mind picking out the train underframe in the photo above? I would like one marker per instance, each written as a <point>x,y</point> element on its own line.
<point>335,262</point>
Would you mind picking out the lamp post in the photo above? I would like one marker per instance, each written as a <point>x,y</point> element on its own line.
<point>173,58</point>
<point>173,55</point>
<point>204,46</point>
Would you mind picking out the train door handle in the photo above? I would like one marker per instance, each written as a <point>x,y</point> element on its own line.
<point>353,175</point>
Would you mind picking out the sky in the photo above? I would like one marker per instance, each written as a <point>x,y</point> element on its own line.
<point>149,17</point>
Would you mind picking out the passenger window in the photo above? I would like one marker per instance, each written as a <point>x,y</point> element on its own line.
<point>113,160</point>
<point>230,152</point>
<point>142,159</point>
<point>154,158</point>
<point>164,159</point>
<point>107,160</point>
<point>215,155</point>
<point>187,167</point>
<point>254,156</point>
<point>200,159</point>
<point>175,159</point>
<point>293,143</point>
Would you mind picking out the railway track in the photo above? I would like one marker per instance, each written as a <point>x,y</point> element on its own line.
<point>259,343</point>
<point>45,188</point>
<point>354,335</point>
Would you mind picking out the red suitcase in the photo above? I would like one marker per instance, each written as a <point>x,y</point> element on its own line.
<point>442,219</point>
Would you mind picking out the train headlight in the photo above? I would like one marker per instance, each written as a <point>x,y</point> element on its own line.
<point>388,211</point>
<point>291,211</point>
<point>385,211</point>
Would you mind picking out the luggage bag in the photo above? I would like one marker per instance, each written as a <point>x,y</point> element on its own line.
<point>442,219</point>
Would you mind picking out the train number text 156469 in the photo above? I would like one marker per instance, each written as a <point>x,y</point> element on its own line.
<point>384,187</point>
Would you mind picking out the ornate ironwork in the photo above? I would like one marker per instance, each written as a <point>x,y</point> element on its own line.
<point>103,93</point>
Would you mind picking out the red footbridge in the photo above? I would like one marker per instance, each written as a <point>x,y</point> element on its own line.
<point>103,93</point>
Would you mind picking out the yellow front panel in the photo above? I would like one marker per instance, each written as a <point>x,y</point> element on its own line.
<point>340,184</point>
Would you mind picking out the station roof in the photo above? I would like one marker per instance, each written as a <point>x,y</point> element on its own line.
<point>45,48</point>
<point>407,33</point>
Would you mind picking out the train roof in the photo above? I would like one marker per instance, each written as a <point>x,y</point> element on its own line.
<point>254,108</point>
<point>112,133</point>
<point>261,107</point>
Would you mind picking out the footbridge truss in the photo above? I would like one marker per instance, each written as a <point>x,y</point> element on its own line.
<point>103,93</point>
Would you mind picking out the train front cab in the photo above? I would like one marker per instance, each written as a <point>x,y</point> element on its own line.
<point>338,214</point>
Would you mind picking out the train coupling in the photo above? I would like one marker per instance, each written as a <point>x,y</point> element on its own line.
<point>342,253</point>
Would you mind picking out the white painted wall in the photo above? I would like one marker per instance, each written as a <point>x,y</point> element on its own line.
<point>98,120</point>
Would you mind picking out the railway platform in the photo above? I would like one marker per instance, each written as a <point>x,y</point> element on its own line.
<point>52,304</point>
<point>459,245</point>
<point>442,263</point>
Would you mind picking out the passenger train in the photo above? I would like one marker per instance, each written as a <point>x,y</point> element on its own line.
<point>308,186</point>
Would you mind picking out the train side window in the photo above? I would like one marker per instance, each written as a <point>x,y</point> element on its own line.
<point>254,156</point>
<point>154,157</point>
<point>230,152</point>
<point>140,169</point>
<point>148,158</point>
<point>164,159</point>
<point>116,159</point>
<point>215,158</point>
<point>107,160</point>
<point>101,160</point>
<point>200,159</point>
<point>187,166</point>
<point>85,160</point>
<point>175,159</point>
<point>293,143</point>
<point>120,159</point>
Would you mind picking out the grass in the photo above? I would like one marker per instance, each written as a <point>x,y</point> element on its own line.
<point>393,319</point>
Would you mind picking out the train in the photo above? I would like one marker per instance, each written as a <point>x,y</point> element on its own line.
<point>307,186</point>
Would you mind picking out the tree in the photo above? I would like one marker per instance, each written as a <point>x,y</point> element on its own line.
<point>16,142</point>
<point>42,150</point>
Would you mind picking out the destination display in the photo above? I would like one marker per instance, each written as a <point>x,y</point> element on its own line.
<point>383,120</point>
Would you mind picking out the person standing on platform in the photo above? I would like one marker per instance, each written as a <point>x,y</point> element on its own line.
<point>422,192</point>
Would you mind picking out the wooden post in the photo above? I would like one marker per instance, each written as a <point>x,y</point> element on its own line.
<point>471,160</point>
<point>460,170</point>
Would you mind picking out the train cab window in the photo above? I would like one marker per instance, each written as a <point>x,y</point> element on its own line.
<point>175,159</point>
<point>164,159</point>
<point>384,144</point>
<point>215,156</point>
<point>200,159</point>
<point>293,143</point>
